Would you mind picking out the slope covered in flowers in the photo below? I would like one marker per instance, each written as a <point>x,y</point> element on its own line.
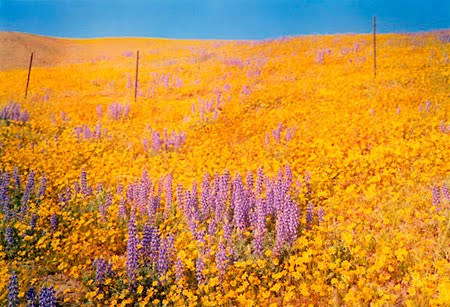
<point>247,173</point>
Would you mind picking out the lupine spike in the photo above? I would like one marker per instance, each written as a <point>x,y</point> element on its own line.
<point>132,256</point>
<point>13,291</point>
<point>47,297</point>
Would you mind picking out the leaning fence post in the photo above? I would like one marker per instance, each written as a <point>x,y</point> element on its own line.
<point>136,80</point>
<point>29,72</point>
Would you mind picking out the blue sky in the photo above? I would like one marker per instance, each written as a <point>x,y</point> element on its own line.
<point>221,19</point>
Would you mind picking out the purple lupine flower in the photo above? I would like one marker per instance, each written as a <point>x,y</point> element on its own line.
<point>63,116</point>
<point>260,226</point>
<point>147,241</point>
<point>179,270</point>
<point>249,181</point>
<point>279,192</point>
<point>33,221</point>
<point>277,133</point>
<point>445,194</point>
<point>43,186</point>
<point>47,297</point>
<point>31,298</point>
<point>427,106</point>
<point>199,267</point>
<point>259,182</point>
<point>205,197</point>
<point>26,194</point>
<point>122,212</point>
<point>245,90</point>
<point>132,252</point>
<point>289,177</point>
<point>155,244</point>
<point>13,291</point>
<point>309,214</point>
<point>16,178</point>
<point>83,180</point>
<point>169,196</point>
<point>98,131</point>
<point>435,197</point>
<point>308,183</point>
<point>102,271</point>
<point>4,197</point>
<point>212,228</point>
<point>119,188</point>
<point>53,221</point>
<point>292,216</point>
<point>130,193</point>
<point>12,112</point>
<point>227,234</point>
<point>163,258</point>
<point>87,132</point>
<point>270,197</point>
<point>288,134</point>
<point>9,236</point>
<point>170,244</point>
<point>68,196</point>
<point>156,141</point>
<point>221,259</point>
<point>320,214</point>
<point>102,211</point>
<point>238,203</point>
<point>280,233</point>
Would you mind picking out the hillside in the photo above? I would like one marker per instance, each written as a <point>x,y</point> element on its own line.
<point>268,173</point>
<point>16,48</point>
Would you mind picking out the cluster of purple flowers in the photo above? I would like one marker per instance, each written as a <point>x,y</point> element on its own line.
<point>117,111</point>
<point>12,112</point>
<point>440,197</point>
<point>83,131</point>
<point>102,271</point>
<point>276,133</point>
<point>13,291</point>
<point>213,105</point>
<point>168,141</point>
<point>444,128</point>
<point>132,252</point>
<point>46,295</point>
<point>5,179</point>
<point>128,54</point>
<point>248,209</point>
<point>7,206</point>
<point>26,194</point>
<point>262,206</point>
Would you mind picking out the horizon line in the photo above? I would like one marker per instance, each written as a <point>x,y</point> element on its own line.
<point>226,39</point>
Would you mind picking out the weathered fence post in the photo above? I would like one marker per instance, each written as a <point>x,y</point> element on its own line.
<point>29,72</point>
<point>374,30</point>
<point>136,80</point>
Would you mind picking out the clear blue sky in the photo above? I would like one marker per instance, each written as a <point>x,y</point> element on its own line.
<point>222,19</point>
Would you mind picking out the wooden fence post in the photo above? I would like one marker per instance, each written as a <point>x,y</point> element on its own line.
<point>136,80</point>
<point>29,72</point>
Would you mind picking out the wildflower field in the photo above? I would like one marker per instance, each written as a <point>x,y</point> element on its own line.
<point>246,173</point>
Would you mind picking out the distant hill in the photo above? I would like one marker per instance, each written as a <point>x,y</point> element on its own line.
<point>15,49</point>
